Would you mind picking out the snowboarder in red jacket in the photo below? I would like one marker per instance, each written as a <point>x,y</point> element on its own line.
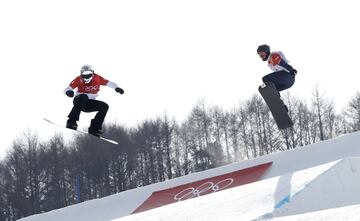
<point>88,85</point>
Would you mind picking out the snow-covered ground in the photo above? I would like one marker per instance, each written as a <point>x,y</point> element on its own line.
<point>316,182</point>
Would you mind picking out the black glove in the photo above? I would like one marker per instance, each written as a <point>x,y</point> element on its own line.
<point>119,90</point>
<point>293,71</point>
<point>70,93</point>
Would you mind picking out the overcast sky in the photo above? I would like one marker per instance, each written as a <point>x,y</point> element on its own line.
<point>167,54</point>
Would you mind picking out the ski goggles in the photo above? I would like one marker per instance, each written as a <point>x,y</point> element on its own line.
<point>86,76</point>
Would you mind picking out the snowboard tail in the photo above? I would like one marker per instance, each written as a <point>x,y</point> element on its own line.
<point>276,106</point>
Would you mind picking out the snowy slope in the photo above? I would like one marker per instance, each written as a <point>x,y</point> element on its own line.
<point>277,195</point>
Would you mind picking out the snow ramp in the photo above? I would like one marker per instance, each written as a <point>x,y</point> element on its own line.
<point>337,186</point>
<point>324,187</point>
<point>203,187</point>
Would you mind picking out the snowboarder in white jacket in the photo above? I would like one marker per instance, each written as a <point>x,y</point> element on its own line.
<point>283,75</point>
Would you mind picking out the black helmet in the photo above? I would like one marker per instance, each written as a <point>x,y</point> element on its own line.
<point>265,49</point>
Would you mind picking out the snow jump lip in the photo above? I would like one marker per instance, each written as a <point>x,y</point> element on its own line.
<point>333,185</point>
<point>204,187</point>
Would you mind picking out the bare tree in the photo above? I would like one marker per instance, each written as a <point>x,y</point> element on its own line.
<point>24,176</point>
<point>167,131</point>
<point>326,116</point>
<point>319,106</point>
<point>353,112</point>
<point>54,161</point>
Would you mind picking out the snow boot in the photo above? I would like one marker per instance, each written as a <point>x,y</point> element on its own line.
<point>95,132</point>
<point>71,124</point>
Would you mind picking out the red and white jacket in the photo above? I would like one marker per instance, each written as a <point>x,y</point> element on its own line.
<point>91,89</point>
<point>274,60</point>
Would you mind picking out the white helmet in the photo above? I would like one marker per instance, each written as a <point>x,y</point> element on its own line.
<point>86,68</point>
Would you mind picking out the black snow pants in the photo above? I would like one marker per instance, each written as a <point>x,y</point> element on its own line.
<point>83,103</point>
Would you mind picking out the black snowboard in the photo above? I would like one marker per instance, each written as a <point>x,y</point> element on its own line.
<point>276,106</point>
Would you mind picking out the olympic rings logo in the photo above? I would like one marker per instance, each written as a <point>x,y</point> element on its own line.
<point>208,187</point>
<point>91,88</point>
